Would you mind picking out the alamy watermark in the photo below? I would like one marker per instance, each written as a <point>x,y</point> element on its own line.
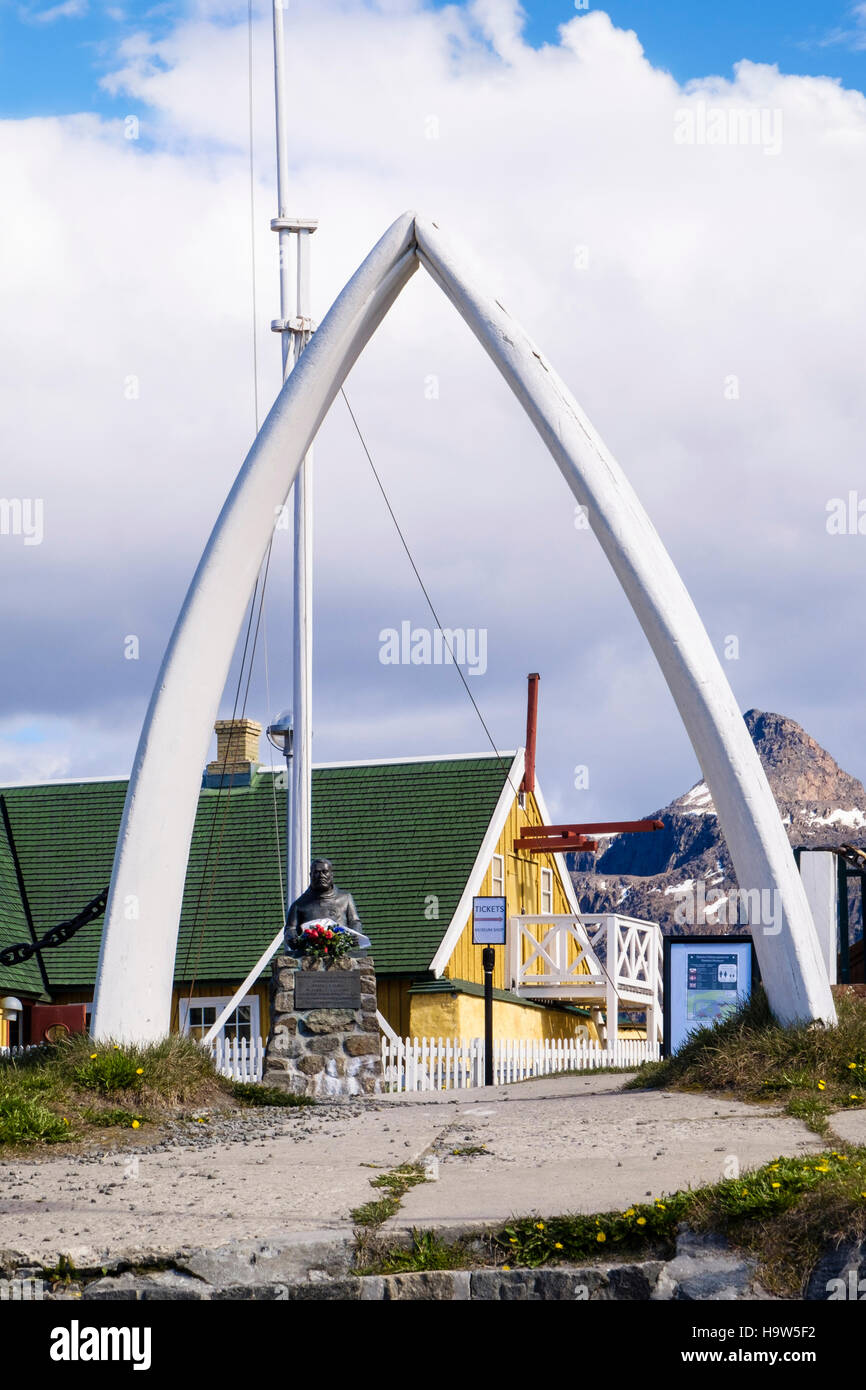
<point>22,1290</point>
<point>703,124</point>
<point>439,646</point>
<point>846,516</point>
<point>746,907</point>
<point>23,516</point>
<point>851,1287</point>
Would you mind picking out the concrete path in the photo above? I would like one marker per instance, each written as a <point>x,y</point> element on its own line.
<point>549,1146</point>
<point>582,1144</point>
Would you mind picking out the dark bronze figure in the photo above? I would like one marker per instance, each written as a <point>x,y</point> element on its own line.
<point>323,900</point>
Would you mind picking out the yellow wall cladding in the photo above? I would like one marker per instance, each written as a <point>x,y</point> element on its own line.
<point>392,997</point>
<point>522,894</point>
<point>462,1016</point>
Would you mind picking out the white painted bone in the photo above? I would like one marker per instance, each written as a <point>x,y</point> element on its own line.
<point>135,974</point>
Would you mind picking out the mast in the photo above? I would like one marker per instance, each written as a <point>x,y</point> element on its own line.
<point>296,329</point>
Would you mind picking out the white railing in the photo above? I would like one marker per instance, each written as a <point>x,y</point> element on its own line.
<point>552,956</point>
<point>444,1064</point>
<point>18,1051</point>
<point>241,1059</point>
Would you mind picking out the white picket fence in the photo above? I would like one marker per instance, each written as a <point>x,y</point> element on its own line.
<point>17,1051</point>
<point>443,1064</point>
<point>240,1059</point>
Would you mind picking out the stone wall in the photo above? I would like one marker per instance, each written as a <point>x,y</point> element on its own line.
<point>323,1051</point>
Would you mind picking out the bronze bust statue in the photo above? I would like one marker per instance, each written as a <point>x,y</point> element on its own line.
<point>323,899</point>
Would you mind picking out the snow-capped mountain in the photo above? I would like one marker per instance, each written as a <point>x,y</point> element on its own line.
<point>648,875</point>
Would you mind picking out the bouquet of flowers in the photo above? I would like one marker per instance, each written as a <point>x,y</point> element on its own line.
<point>324,940</point>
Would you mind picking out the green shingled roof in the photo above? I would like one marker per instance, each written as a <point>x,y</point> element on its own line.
<point>13,927</point>
<point>399,835</point>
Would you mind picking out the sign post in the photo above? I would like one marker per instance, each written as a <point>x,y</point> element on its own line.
<point>488,930</point>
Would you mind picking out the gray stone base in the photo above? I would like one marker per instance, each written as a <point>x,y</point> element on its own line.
<point>323,1052</point>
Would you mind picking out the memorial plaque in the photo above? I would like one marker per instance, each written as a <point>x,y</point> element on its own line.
<point>327,989</point>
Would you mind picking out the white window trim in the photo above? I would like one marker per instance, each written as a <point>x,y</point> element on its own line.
<point>546,877</point>
<point>497,878</point>
<point>219,1003</point>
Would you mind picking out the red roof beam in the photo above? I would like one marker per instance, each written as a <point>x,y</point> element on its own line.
<point>611,827</point>
<point>537,845</point>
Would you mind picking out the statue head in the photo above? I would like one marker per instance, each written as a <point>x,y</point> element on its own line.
<point>322,875</point>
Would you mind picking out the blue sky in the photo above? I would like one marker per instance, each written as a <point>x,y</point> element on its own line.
<point>52,55</point>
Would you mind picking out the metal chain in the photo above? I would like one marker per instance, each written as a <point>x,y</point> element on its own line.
<point>56,936</point>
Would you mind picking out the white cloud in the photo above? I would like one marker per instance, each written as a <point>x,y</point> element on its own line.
<point>852,35</point>
<point>651,272</point>
<point>69,9</point>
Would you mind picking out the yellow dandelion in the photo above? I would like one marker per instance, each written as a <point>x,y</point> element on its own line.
<point>630,1212</point>
<point>513,1240</point>
<point>601,1236</point>
<point>539,1225</point>
<point>661,1206</point>
<point>135,1124</point>
<point>775,1184</point>
<point>852,1066</point>
<point>507,1267</point>
<point>641,1221</point>
<point>744,1192</point>
<point>117,1047</point>
<point>853,1097</point>
<point>821,1085</point>
<point>558,1245</point>
<point>93,1056</point>
<point>65,1121</point>
<point>139,1071</point>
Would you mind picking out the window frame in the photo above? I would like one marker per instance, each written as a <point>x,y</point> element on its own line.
<point>545,875</point>
<point>219,1002</point>
<point>494,878</point>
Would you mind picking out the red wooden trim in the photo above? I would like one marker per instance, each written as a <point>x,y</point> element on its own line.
<point>610,827</point>
<point>537,845</point>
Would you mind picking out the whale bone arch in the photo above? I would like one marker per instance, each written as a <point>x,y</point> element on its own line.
<point>132,1000</point>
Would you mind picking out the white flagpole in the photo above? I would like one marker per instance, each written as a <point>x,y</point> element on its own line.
<point>296,331</point>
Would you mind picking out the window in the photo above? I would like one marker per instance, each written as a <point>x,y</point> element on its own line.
<point>497,876</point>
<point>547,891</point>
<point>198,1016</point>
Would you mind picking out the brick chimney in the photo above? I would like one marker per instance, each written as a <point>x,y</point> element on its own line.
<point>237,752</point>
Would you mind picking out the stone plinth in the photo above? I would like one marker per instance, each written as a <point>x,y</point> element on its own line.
<point>319,1050</point>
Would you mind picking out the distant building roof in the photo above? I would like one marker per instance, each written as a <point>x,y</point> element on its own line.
<point>402,835</point>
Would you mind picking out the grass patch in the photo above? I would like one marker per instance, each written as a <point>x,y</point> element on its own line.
<point>253,1093</point>
<point>466,1150</point>
<point>113,1117</point>
<point>27,1120</point>
<point>375,1213</point>
<point>784,1213</point>
<point>427,1251</point>
<point>809,1069</point>
<point>61,1091</point>
<point>396,1183</point>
